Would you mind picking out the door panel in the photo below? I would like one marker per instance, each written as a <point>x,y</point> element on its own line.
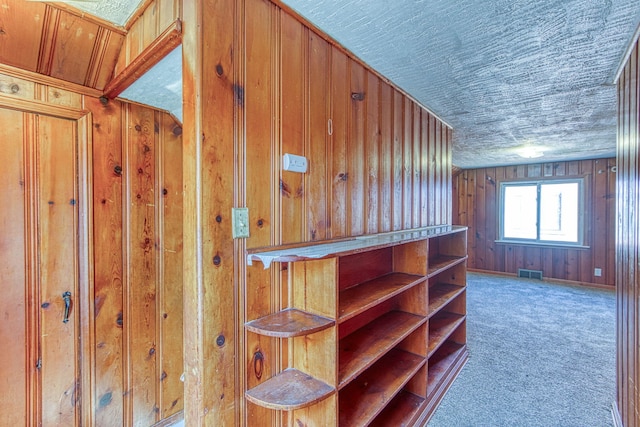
<point>55,147</point>
<point>39,257</point>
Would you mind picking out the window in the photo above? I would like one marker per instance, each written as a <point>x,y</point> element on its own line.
<point>542,211</point>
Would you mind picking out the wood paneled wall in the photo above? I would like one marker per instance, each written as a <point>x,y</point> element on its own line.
<point>138,264</point>
<point>58,41</point>
<point>378,162</point>
<point>136,330</point>
<point>627,243</point>
<point>475,204</point>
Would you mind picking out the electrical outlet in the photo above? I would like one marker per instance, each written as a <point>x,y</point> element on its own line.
<point>597,272</point>
<point>293,163</point>
<point>240,223</point>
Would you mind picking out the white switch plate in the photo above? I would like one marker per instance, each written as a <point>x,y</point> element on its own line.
<point>240,223</point>
<point>597,272</point>
<point>293,163</point>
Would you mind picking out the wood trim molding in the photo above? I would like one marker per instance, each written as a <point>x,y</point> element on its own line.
<point>165,43</point>
<point>48,81</point>
<point>39,107</point>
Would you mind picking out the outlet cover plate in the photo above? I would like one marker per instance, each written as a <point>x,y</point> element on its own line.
<point>240,223</point>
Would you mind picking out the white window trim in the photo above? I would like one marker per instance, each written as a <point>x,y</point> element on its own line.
<point>537,241</point>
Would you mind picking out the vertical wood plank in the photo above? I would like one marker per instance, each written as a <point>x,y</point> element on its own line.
<point>407,163</point>
<point>416,196</point>
<point>397,161</point>
<point>318,220</point>
<point>141,291</point>
<point>356,149</point>
<point>170,315</point>
<point>431,156</point>
<point>373,205</point>
<point>293,72</point>
<point>262,176</point>
<point>108,268</point>
<point>339,167</point>
<point>386,162</point>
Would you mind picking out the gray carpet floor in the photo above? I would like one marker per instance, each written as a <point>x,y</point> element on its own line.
<point>540,355</point>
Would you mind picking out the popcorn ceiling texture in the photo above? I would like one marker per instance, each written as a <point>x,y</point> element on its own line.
<point>503,73</point>
<point>116,11</point>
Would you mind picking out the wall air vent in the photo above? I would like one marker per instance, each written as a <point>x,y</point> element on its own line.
<point>530,274</point>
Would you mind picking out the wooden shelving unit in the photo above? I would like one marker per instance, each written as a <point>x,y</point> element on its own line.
<point>383,320</point>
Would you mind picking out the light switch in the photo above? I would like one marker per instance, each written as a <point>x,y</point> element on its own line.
<point>293,163</point>
<point>240,223</point>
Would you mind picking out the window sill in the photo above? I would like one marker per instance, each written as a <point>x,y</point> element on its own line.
<point>540,244</point>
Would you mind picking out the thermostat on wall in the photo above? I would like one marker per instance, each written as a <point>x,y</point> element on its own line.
<point>293,163</point>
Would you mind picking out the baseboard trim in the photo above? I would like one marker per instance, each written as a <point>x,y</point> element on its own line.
<point>547,279</point>
<point>615,413</point>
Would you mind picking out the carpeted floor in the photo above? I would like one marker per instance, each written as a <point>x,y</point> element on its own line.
<point>541,355</point>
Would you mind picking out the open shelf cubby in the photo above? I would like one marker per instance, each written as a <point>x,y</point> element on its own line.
<point>374,331</point>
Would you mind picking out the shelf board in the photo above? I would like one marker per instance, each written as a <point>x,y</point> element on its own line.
<point>441,327</point>
<point>289,323</point>
<point>362,348</point>
<point>289,390</point>
<point>342,247</point>
<point>443,262</point>
<point>402,411</point>
<point>441,294</point>
<point>441,364</point>
<point>365,398</point>
<point>363,296</point>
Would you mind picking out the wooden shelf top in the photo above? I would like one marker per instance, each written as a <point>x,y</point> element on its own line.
<point>441,294</point>
<point>289,390</point>
<point>289,323</point>
<point>365,398</point>
<point>363,296</point>
<point>331,248</point>
<point>362,348</point>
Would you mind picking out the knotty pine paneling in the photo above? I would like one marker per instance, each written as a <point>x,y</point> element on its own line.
<point>138,264</point>
<point>627,243</point>
<point>135,338</point>
<point>59,41</point>
<point>475,204</point>
<point>144,28</point>
<point>378,161</point>
<point>136,335</point>
<point>276,85</point>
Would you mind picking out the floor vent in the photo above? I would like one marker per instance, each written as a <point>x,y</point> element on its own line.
<point>530,274</point>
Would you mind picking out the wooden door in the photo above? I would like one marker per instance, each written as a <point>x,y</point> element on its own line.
<point>41,264</point>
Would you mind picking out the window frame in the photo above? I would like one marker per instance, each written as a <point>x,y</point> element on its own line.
<point>538,183</point>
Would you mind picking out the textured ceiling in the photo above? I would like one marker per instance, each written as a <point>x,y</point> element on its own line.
<point>116,11</point>
<point>504,74</point>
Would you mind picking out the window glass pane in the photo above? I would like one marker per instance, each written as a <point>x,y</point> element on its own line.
<point>559,212</point>
<point>520,211</point>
